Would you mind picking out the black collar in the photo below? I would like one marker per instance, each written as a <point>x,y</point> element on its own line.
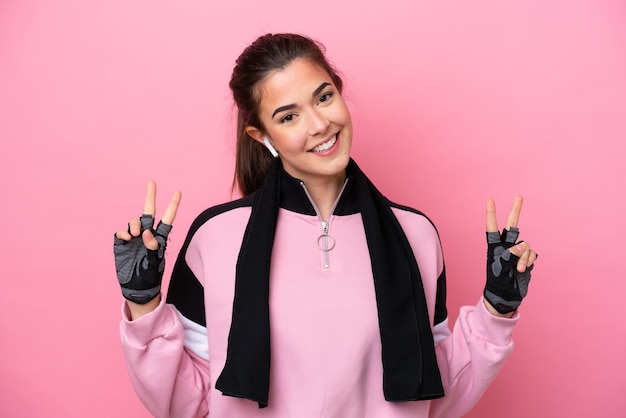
<point>294,198</point>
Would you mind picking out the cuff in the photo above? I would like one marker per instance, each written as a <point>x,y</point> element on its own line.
<point>496,329</point>
<point>162,322</point>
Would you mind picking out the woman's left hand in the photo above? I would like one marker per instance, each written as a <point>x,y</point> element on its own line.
<point>509,263</point>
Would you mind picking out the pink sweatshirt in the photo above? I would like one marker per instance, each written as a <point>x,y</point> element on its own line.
<point>325,340</point>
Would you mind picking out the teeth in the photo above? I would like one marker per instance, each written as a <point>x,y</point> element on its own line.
<point>325,145</point>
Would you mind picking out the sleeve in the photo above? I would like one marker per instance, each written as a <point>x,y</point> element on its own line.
<point>170,379</point>
<point>470,356</point>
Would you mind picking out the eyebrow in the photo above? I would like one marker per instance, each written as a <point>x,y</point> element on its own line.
<point>291,106</point>
<point>320,88</point>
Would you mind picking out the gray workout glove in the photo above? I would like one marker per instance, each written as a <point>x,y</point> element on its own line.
<point>506,287</point>
<point>140,270</point>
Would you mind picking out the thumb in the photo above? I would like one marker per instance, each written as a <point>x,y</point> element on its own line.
<point>521,251</point>
<point>149,241</point>
<point>518,249</point>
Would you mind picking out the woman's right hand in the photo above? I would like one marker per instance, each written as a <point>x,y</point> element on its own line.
<point>140,252</point>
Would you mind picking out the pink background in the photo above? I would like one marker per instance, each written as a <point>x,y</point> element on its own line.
<point>452,102</point>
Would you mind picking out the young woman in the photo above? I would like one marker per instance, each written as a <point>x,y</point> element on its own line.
<point>313,295</point>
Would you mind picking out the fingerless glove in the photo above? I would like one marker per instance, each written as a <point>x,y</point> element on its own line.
<point>140,270</point>
<point>506,287</point>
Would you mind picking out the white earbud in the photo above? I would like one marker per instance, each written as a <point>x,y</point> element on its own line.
<point>269,146</point>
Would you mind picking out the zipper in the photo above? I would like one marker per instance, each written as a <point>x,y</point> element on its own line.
<point>325,242</point>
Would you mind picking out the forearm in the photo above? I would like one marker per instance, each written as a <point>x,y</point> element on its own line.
<point>470,358</point>
<point>170,380</point>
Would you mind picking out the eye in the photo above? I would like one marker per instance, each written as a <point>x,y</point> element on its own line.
<point>287,118</point>
<point>325,97</point>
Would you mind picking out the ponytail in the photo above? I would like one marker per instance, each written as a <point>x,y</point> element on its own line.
<point>252,161</point>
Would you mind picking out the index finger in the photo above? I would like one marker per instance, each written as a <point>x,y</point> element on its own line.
<point>149,206</point>
<point>492,221</point>
<point>172,208</point>
<point>513,218</point>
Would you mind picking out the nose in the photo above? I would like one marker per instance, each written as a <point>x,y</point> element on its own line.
<point>319,123</point>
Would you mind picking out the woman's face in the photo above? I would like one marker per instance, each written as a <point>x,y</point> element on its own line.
<point>307,122</point>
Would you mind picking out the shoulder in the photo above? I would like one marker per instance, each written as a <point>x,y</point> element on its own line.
<point>418,228</point>
<point>410,217</point>
<point>423,238</point>
<point>224,214</point>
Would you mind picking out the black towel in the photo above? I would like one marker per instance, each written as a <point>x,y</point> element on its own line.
<point>410,366</point>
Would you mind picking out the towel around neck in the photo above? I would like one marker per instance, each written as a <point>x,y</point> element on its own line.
<point>410,370</point>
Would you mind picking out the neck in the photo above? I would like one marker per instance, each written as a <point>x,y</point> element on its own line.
<point>324,193</point>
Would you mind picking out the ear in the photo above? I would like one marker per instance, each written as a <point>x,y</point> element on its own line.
<point>255,133</point>
<point>259,136</point>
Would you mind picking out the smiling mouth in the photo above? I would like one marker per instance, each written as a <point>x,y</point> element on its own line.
<point>326,145</point>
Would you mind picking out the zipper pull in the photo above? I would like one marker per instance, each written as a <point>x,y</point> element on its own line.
<point>325,243</point>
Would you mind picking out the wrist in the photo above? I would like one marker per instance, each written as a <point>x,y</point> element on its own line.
<point>494,312</point>
<point>138,310</point>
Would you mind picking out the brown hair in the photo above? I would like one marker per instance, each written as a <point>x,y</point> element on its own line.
<point>267,53</point>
